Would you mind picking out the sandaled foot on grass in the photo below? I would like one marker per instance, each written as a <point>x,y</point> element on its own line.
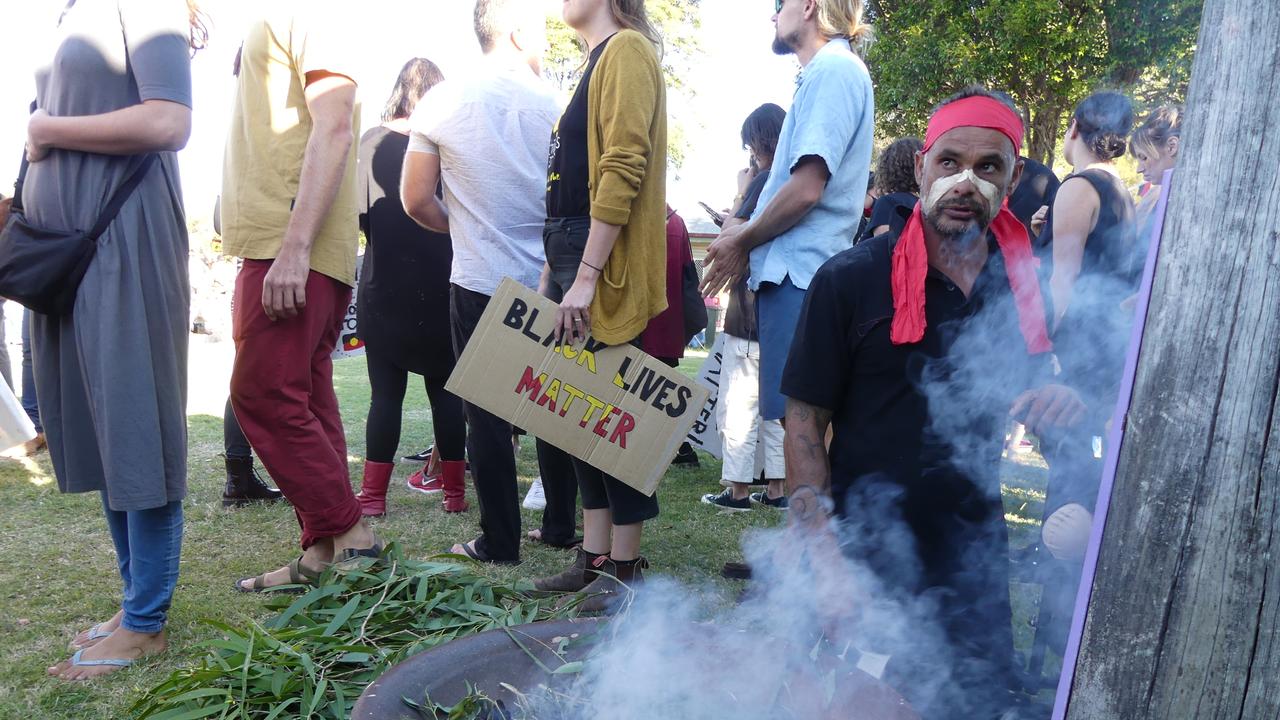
<point>472,550</point>
<point>293,574</point>
<point>92,636</point>
<point>111,654</point>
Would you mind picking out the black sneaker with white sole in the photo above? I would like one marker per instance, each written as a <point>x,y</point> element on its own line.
<point>725,501</point>
<point>778,503</point>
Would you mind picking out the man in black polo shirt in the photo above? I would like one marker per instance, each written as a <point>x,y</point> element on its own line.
<point>915,348</point>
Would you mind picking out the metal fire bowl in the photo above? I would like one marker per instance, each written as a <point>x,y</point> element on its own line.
<point>484,660</point>
<point>489,659</point>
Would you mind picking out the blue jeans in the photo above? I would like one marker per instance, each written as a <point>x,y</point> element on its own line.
<point>148,543</point>
<point>28,376</point>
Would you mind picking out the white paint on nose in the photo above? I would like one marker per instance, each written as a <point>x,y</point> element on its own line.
<point>942,186</point>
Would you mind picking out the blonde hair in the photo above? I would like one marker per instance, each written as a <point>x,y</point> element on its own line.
<point>842,19</point>
<point>1152,137</point>
<point>631,15</point>
<point>199,35</point>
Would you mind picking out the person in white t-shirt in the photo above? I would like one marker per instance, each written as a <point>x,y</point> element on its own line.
<point>485,137</point>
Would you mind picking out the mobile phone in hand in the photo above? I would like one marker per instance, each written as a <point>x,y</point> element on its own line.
<point>717,218</point>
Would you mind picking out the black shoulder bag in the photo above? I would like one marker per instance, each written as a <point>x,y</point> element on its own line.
<point>42,268</point>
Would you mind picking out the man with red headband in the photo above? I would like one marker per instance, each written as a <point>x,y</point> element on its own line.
<point>915,348</point>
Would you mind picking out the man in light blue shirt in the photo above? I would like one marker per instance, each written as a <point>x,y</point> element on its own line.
<point>810,207</point>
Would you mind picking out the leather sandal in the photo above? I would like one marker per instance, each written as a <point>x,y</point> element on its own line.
<point>299,575</point>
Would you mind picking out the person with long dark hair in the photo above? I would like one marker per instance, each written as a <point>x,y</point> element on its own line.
<point>605,240</point>
<point>112,374</point>
<point>403,306</point>
<point>752,446</point>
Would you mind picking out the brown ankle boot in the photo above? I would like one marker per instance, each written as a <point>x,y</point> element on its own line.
<point>616,580</point>
<point>576,577</point>
<point>453,473</point>
<point>373,489</point>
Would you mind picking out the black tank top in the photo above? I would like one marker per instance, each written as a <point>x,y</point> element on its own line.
<point>1093,336</point>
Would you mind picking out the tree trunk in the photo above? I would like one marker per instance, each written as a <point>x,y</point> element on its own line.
<point>1184,613</point>
<point>1045,124</point>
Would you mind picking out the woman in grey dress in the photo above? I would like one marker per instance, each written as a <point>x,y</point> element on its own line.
<point>112,374</point>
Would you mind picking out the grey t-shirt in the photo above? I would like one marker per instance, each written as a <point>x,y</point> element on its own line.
<point>491,132</point>
<point>113,54</point>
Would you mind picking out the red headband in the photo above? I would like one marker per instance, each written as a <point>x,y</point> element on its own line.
<point>976,111</point>
<point>911,259</point>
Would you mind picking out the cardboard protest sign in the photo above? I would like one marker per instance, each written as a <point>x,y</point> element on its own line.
<point>613,407</point>
<point>350,341</point>
<point>705,433</point>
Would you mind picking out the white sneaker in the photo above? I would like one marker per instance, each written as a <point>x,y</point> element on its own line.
<point>535,499</point>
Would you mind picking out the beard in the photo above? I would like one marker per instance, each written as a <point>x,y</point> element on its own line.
<point>959,234</point>
<point>783,46</point>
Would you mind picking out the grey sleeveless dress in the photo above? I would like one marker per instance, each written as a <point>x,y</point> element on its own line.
<point>111,377</point>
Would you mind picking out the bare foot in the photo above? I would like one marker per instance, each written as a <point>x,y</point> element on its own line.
<point>122,645</point>
<point>86,638</point>
<point>534,535</point>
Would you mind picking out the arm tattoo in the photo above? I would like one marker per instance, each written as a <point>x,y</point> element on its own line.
<point>808,465</point>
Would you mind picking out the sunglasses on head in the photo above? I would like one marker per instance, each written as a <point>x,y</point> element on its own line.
<point>777,5</point>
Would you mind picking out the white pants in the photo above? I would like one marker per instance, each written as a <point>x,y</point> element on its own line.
<point>751,444</point>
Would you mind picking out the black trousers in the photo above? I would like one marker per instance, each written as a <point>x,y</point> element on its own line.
<point>564,240</point>
<point>387,384</point>
<point>234,443</point>
<point>493,460</point>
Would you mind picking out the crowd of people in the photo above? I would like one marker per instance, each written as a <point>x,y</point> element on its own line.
<point>883,330</point>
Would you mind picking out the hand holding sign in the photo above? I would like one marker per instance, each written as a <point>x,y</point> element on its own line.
<point>573,318</point>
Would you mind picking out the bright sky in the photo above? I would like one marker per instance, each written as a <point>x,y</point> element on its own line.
<point>738,73</point>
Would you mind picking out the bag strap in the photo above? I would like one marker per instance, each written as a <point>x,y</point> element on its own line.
<point>16,206</point>
<point>136,171</point>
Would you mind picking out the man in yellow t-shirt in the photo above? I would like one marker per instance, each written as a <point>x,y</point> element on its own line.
<point>289,210</point>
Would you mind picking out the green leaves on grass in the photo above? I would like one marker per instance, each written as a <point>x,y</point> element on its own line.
<point>315,658</point>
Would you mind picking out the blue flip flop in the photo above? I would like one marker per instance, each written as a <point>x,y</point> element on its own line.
<point>97,633</point>
<point>76,661</point>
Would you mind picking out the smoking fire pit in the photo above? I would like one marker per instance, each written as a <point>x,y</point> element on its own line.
<point>485,661</point>
<point>490,659</point>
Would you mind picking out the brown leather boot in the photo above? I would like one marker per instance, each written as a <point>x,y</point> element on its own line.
<point>576,577</point>
<point>454,475</point>
<point>616,581</point>
<point>373,488</point>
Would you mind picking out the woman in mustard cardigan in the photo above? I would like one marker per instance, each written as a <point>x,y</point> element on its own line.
<point>605,240</point>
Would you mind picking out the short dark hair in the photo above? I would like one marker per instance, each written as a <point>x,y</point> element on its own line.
<point>762,127</point>
<point>1103,121</point>
<point>416,77</point>
<point>976,90</point>
<point>896,168</point>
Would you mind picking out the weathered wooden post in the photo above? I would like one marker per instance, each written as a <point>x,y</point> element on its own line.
<point>1184,619</point>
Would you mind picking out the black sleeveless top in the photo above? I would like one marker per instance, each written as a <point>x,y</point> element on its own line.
<point>1093,336</point>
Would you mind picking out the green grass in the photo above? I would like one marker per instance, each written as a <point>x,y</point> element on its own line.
<point>59,576</point>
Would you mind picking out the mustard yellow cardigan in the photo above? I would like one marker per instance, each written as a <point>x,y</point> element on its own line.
<point>627,184</point>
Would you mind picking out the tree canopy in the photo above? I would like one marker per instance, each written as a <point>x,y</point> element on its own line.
<point>1047,54</point>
